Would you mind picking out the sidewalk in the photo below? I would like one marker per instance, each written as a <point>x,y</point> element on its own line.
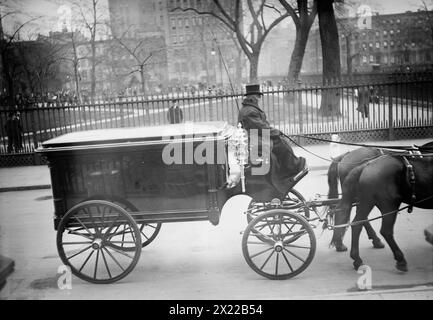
<point>38,177</point>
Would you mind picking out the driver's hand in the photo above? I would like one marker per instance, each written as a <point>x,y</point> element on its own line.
<point>233,180</point>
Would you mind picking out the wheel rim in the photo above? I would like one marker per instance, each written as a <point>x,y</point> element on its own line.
<point>88,239</point>
<point>288,248</point>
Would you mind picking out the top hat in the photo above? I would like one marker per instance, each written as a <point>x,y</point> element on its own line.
<point>253,89</point>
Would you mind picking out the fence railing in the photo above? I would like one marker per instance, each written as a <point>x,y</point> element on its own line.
<point>357,107</point>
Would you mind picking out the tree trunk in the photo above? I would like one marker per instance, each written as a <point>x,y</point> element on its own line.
<point>298,52</point>
<point>254,64</point>
<point>348,55</point>
<point>77,82</point>
<point>330,104</point>
<point>93,74</point>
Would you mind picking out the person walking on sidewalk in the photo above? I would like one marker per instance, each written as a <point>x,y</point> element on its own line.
<point>175,114</point>
<point>14,131</point>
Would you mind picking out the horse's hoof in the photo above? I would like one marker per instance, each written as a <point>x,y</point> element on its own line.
<point>341,248</point>
<point>402,266</point>
<point>377,244</point>
<point>357,264</point>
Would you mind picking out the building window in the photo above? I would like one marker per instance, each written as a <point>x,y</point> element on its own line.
<point>385,59</point>
<point>199,4</point>
<point>413,44</point>
<point>364,59</point>
<point>398,31</point>
<point>391,21</point>
<point>385,33</point>
<point>179,22</point>
<point>186,23</point>
<point>398,20</point>
<point>180,39</point>
<point>377,45</point>
<point>392,59</point>
<point>173,23</point>
<point>161,20</point>
<point>185,3</point>
<point>391,32</point>
<point>370,45</point>
<point>377,33</point>
<point>371,58</point>
<point>385,44</point>
<point>174,39</point>
<point>392,43</point>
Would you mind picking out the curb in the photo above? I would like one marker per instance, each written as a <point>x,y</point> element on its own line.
<point>25,188</point>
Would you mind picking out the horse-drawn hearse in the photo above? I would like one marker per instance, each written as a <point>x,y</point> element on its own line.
<point>114,188</point>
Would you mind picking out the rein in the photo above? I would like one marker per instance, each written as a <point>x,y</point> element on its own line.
<point>354,223</point>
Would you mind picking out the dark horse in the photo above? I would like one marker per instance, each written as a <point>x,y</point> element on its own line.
<point>383,182</point>
<point>338,170</point>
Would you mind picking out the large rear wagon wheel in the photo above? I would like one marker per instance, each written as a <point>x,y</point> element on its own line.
<point>148,231</point>
<point>87,241</point>
<point>288,248</point>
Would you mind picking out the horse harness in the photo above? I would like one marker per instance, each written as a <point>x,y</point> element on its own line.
<point>410,177</point>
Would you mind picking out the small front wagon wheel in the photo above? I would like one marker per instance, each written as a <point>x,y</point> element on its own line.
<point>288,249</point>
<point>88,241</point>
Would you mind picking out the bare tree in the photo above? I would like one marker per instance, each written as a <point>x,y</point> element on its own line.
<point>91,19</point>
<point>232,15</point>
<point>330,103</point>
<point>142,54</point>
<point>303,14</point>
<point>8,59</point>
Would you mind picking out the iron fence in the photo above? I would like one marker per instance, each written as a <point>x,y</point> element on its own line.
<point>294,110</point>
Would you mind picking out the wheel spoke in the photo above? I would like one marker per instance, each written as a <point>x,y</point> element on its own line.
<point>147,238</point>
<point>96,264</point>
<point>106,265</point>
<point>287,261</point>
<point>261,235</point>
<point>269,257</point>
<point>276,263</point>
<point>81,251</point>
<point>261,252</point>
<point>114,259</point>
<point>78,219</point>
<point>295,255</point>
<point>77,242</point>
<point>80,234</point>
<point>87,259</point>
<point>296,246</point>
<point>121,252</point>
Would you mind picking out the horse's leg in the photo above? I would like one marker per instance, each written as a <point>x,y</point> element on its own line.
<point>387,231</point>
<point>342,217</point>
<point>362,211</point>
<point>377,243</point>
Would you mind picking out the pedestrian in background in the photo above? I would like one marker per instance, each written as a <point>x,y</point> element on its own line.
<point>175,114</point>
<point>363,101</point>
<point>14,131</point>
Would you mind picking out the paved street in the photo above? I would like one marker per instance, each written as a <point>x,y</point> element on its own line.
<point>200,261</point>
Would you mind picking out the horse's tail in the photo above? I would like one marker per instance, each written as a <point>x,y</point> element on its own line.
<point>333,177</point>
<point>349,191</point>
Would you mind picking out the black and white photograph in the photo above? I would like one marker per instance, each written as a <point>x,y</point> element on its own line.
<point>216,155</point>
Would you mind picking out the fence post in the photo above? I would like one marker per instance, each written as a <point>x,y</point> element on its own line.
<point>122,116</point>
<point>211,117</point>
<point>35,138</point>
<point>390,116</point>
<point>298,95</point>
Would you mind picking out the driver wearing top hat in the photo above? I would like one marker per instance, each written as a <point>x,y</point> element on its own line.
<point>284,163</point>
